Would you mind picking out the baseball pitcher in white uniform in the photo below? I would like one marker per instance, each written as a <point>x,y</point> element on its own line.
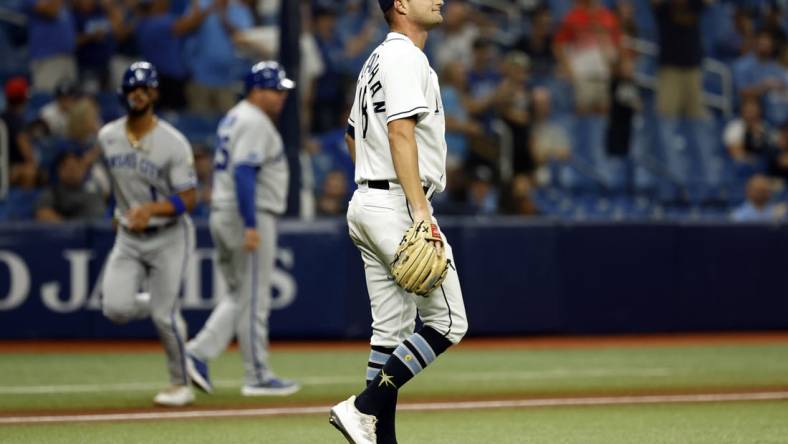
<point>249,193</point>
<point>396,138</point>
<point>153,181</point>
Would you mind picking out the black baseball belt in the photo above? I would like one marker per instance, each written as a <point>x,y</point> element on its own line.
<point>152,230</point>
<point>385,185</point>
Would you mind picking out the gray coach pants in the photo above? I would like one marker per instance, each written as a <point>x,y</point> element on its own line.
<point>243,312</point>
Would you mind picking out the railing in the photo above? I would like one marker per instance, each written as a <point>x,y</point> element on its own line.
<point>512,12</point>
<point>722,102</point>
<point>505,151</point>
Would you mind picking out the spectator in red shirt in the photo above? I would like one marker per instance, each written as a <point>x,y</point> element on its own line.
<point>586,45</point>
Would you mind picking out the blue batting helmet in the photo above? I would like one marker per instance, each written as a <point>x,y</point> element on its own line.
<point>268,75</point>
<point>140,74</point>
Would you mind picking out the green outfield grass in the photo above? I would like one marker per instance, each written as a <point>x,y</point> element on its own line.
<point>72,381</point>
<point>732,423</point>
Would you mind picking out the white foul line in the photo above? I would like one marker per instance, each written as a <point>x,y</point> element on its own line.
<point>424,406</point>
<point>555,373</point>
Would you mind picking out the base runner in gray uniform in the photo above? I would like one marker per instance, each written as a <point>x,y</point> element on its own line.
<point>249,192</point>
<point>153,180</point>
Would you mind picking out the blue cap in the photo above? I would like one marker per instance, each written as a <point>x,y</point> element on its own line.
<point>385,5</point>
<point>268,75</point>
<point>140,74</point>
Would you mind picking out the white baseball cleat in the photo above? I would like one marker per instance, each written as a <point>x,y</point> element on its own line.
<point>175,396</point>
<point>357,427</point>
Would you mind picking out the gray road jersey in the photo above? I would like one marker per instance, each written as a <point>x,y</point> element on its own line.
<point>162,166</point>
<point>246,136</point>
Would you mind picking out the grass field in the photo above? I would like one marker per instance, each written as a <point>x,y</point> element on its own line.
<point>537,394</point>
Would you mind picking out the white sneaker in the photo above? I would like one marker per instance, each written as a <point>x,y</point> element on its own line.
<point>175,396</point>
<point>357,427</point>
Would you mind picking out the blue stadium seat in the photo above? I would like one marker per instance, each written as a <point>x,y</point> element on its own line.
<point>561,100</point>
<point>644,173</point>
<point>559,8</point>
<point>547,200</point>
<point>583,143</point>
<point>644,19</point>
<point>639,207</point>
<point>199,129</point>
<point>37,101</point>
<point>598,207</point>
<point>19,204</point>
<point>618,173</point>
<point>110,106</point>
<point>585,171</point>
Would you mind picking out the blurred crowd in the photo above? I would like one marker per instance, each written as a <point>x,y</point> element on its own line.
<point>520,79</point>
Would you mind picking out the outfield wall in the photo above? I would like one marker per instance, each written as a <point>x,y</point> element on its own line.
<point>518,278</point>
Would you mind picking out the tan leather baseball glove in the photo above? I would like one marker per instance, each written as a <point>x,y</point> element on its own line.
<point>419,267</point>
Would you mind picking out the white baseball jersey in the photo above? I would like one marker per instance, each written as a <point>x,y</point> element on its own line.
<point>161,166</point>
<point>397,82</point>
<point>247,136</point>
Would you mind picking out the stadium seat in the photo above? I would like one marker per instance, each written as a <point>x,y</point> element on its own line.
<point>644,18</point>
<point>110,105</point>
<point>37,101</point>
<point>19,204</point>
<point>547,200</point>
<point>199,129</point>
